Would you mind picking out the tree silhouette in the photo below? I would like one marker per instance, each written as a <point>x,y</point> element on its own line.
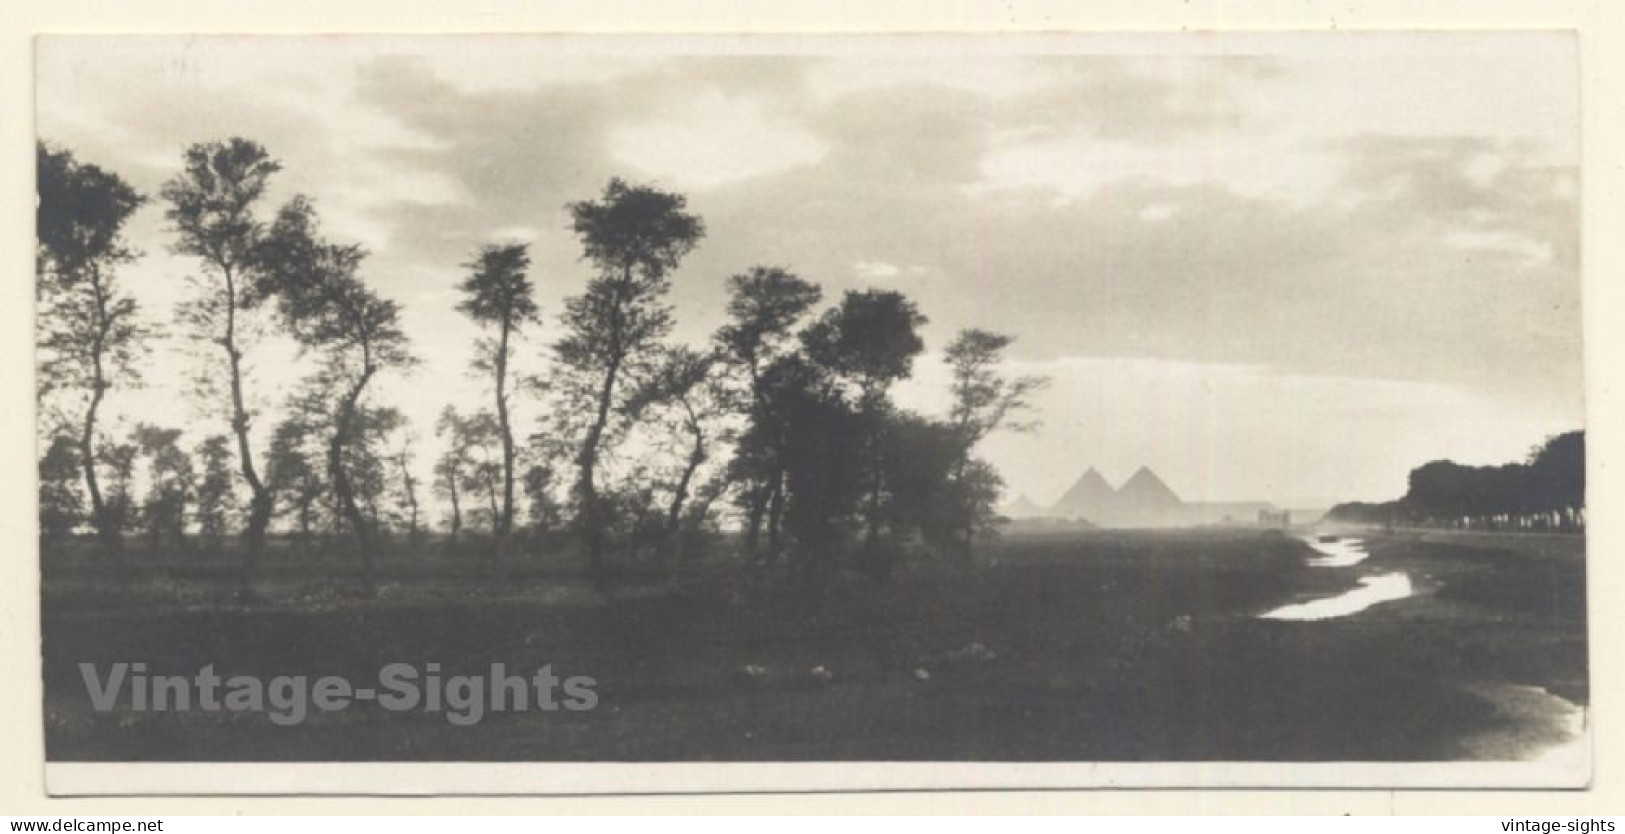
<point>984,400</point>
<point>211,210</point>
<point>90,338</point>
<point>870,341</point>
<point>483,475</point>
<point>402,459</point>
<point>170,484</point>
<point>59,503</point>
<point>1557,472</point>
<point>215,497</point>
<point>294,473</point>
<point>452,467</point>
<point>764,306</point>
<point>356,334</point>
<point>634,236</point>
<point>680,386</point>
<point>497,293</point>
<point>119,459</point>
<point>824,469</point>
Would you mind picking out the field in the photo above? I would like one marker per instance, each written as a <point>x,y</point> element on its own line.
<point>1083,646</point>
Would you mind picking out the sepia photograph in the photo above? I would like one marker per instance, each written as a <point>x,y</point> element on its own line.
<point>590,413</point>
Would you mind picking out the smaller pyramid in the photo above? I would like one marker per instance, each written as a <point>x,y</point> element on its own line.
<point>1088,498</point>
<point>1022,507</point>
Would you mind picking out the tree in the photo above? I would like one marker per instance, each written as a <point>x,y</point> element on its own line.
<point>984,400</point>
<point>545,513</point>
<point>294,474</point>
<point>764,306</point>
<point>119,460</point>
<point>1557,473</point>
<point>169,483</point>
<point>90,339</point>
<point>216,498</point>
<point>634,237</point>
<point>483,474</point>
<point>451,469</point>
<point>370,466</point>
<point>680,386</point>
<point>211,210</point>
<point>497,293</point>
<point>60,508</point>
<point>870,341</point>
<point>823,468</point>
<point>402,461</point>
<point>330,311</point>
<point>921,458</point>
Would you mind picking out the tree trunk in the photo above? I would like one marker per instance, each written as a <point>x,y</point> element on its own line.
<point>879,560</point>
<point>505,523</point>
<point>753,525</point>
<point>106,526</point>
<point>674,513</point>
<point>410,487</point>
<point>592,524</point>
<point>342,488</point>
<point>456,509</point>
<point>259,506</point>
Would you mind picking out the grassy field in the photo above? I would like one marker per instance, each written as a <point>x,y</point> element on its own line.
<point>1085,646</point>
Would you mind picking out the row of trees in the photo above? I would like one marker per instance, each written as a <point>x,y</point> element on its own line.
<point>785,420</point>
<point>1545,491</point>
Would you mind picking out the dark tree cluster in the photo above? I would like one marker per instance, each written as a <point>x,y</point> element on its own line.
<point>1544,492</point>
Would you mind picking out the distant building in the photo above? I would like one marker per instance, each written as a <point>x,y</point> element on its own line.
<point>1275,519</point>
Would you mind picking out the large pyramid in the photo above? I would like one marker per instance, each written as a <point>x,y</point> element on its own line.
<point>1088,498</point>
<point>1144,488</point>
<point>1145,500</point>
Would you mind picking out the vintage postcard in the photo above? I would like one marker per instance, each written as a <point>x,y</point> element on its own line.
<point>648,414</point>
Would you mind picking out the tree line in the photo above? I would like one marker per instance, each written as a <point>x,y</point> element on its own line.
<point>1546,491</point>
<point>783,423</point>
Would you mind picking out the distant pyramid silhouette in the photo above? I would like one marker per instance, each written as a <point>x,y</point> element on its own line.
<point>1088,498</point>
<point>1145,499</point>
<point>1023,507</point>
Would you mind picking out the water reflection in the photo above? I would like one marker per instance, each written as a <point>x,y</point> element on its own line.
<point>1337,553</point>
<point>1371,591</point>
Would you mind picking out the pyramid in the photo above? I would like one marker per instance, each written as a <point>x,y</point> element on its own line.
<point>1145,500</point>
<point>1088,498</point>
<point>1023,507</point>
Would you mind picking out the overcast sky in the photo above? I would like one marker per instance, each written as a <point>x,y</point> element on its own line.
<point>1278,268</point>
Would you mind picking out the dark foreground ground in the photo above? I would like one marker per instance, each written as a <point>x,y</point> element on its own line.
<point>1093,646</point>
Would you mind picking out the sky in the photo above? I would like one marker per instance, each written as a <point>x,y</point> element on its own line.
<point>1285,268</point>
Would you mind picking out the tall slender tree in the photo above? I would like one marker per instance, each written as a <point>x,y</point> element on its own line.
<point>211,210</point>
<point>634,237</point>
<point>497,293</point>
<point>984,401</point>
<point>90,339</point>
<point>329,310</point>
